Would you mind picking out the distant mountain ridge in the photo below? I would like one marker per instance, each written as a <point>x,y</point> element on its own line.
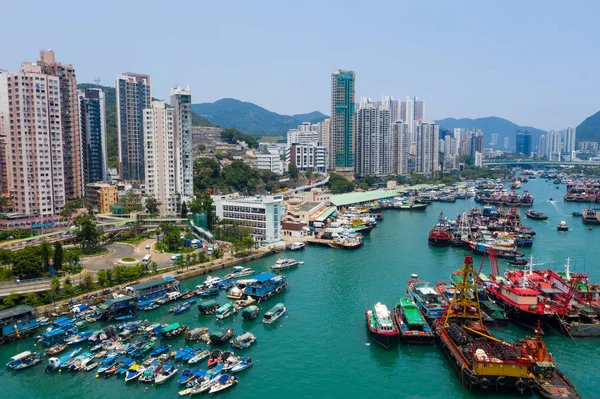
<point>589,129</point>
<point>493,124</point>
<point>251,118</point>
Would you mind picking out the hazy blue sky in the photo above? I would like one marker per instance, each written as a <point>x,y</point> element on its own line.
<point>533,62</point>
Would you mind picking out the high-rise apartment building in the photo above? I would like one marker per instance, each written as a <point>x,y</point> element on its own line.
<point>400,147</point>
<point>542,150</point>
<point>374,154</point>
<point>306,133</point>
<point>476,143</point>
<point>133,97</point>
<point>570,139</point>
<point>181,101</point>
<point>426,160</point>
<point>393,106</point>
<point>92,122</point>
<point>71,133</point>
<point>324,131</point>
<point>554,146</point>
<point>523,142</point>
<point>506,143</point>
<point>36,142</point>
<point>160,155</point>
<point>5,178</point>
<point>341,147</point>
<point>494,140</point>
<point>412,112</point>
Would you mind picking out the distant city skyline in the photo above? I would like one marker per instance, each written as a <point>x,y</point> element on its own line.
<point>470,60</point>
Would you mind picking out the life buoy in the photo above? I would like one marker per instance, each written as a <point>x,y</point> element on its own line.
<point>531,384</point>
<point>501,381</point>
<point>521,385</point>
<point>484,383</point>
<point>474,380</point>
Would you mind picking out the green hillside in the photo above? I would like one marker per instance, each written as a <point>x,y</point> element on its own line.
<point>250,118</point>
<point>589,129</point>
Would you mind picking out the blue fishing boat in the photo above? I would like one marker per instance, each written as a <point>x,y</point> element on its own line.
<point>133,348</point>
<point>243,363</point>
<point>429,302</point>
<point>182,352</point>
<point>183,307</point>
<point>188,375</point>
<point>78,338</point>
<point>160,350</point>
<point>226,284</point>
<point>55,362</point>
<point>107,363</point>
<point>209,292</point>
<point>29,361</point>
<point>190,355</point>
<point>19,359</point>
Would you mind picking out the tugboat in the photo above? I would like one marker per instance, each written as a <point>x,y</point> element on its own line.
<point>429,302</point>
<point>411,324</point>
<point>440,236</point>
<point>381,326</point>
<point>531,214</point>
<point>562,226</point>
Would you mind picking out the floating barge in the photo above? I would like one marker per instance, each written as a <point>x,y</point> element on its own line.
<point>265,285</point>
<point>16,323</point>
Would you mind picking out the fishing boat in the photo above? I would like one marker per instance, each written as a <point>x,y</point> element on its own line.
<point>428,301</point>
<point>224,381</point>
<point>274,313</point>
<point>189,375</point>
<point>55,363</point>
<point>220,337</point>
<point>208,307</point>
<point>226,284</point>
<point>235,293</point>
<point>208,292</point>
<point>204,385</point>
<point>199,356</point>
<point>134,372</point>
<point>238,272</point>
<point>531,214</point>
<point>562,226</point>
<point>225,311</point>
<point>53,350</point>
<point>412,326</point>
<point>182,307</point>
<point>243,341</point>
<point>243,303</point>
<point>518,262</point>
<point>242,364</point>
<point>90,366</point>
<point>576,214</point>
<point>381,325</point>
<point>501,252</point>
<point>18,359</point>
<point>283,264</point>
<point>107,363</point>
<point>182,352</point>
<point>250,313</point>
<point>228,360</point>
<point>173,330</point>
<point>81,361</point>
<point>165,373</point>
<point>150,373</point>
<point>214,358</point>
<point>296,246</point>
<point>440,236</point>
<point>78,338</point>
<point>160,350</point>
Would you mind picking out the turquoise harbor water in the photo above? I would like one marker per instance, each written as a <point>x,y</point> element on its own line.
<point>321,348</point>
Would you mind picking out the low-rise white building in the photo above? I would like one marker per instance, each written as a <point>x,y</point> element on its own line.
<point>262,214</point>
<point>270,162</point>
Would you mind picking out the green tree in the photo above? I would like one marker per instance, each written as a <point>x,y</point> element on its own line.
<point>68,286</point>
<point>171,236</point>
<point>308,173</point>
<point>217,253</point>
<point>207,206</point>
<point>88,235</point>
<point>57,260</point>
<point>46,252</point>
<point>102,278</point>
<point>152,205</point>
<point>196,204</point>
<point>55,285</point>
<point>27,262</point>
<point>363,186</point>
<point>184,210</point>
<point>88,282</point>
<point>31,299</point>
<point>11,300</point>
<point>247,243</point>
<point>338,184</point>
<point>293,170</point>
<point>132,201</point>
<point>6,257</point>
<point>154,267</point>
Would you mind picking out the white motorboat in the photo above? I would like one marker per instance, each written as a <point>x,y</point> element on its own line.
<point>274,313</point>
<point>297,246</point>
<point>210,282</point>
<point>134,372</point>
<point>200,356</point>
<point>239,271</point>
<point>283,264</point>
<point>225,381</point>
<point>164,374</point>
<point>204,385</point>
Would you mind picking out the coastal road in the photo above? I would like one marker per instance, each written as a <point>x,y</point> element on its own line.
<point>120,250</point>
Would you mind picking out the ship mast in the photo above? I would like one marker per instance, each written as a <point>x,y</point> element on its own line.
<point>462,307</point>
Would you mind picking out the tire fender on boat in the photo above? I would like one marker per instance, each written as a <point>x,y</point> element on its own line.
<point>501,381</point>
<point>474,380</point>
<point>521,385</point>
<point>484,383</point>
<point>531,384</point>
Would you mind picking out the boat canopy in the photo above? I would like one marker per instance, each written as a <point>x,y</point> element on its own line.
<point>245,336</point>
<point>264,277</point>
<point>207,304</point>
<point>171,327</point>
<point>21,355</point>
<point>224,308</point>
<point>412,314</point>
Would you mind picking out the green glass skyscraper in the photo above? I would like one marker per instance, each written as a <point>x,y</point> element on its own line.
<point>341,147</point>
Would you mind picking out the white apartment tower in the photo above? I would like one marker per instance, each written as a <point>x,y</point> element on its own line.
<point>570,137</point>
<point>181,101</point>
<point>35,142</point>
<point>160,155</point>
<point>426,160</point>
<point>400,146</point>
<point>374,154</point>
